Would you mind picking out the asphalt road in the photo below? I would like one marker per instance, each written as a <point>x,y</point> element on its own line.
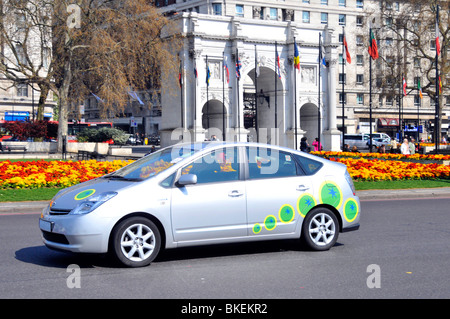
<point>400,251</point>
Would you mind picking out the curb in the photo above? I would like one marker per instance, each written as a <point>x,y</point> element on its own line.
<point>412,193</point>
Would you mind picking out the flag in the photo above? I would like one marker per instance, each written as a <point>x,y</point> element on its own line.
<point>420,89</point>
<point>438,46</point>
<point>257,71</point>
<point>208,75</point>
<point>135,96</point>
<point>347,53</point>
<point>195,70</point>
<point>440,85</point>
<point>373,49</point>
<point>97,98</point>
<point>296,57</point>
<point>238,67</point>
<point>180,76</point>
<point>321,54</point>
<point>227,71</point>
<point>278,63</point>
<point>404,86</point>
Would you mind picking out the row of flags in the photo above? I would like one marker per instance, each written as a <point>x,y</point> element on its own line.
<point>372,50</point>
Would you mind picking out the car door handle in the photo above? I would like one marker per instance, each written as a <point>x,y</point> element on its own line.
<point>235,193</point>
<point>302,188</point>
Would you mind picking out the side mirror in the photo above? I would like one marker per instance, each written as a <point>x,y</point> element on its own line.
<point>188,179</point>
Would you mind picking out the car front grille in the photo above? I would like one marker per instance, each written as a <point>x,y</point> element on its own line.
<point>55,238</point>
<point>54,211</point>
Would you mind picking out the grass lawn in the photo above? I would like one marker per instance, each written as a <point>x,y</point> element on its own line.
<point>18,195</point>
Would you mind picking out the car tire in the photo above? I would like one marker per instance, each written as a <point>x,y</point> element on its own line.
<point>320,229</point>
<point>135,242</point>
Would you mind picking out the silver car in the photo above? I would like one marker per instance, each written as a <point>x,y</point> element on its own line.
<point>204,193</point>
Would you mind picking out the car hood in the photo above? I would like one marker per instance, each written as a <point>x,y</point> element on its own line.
<point>69,198</point>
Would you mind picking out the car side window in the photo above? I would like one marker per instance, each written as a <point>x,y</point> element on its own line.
<point>308,165</point>
<point>218,166</point>
<point>270,163</point>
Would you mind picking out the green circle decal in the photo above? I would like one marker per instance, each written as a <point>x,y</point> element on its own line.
<point>270,222</point>
<point>286,213</point>
<point>351,210</point>
<point>305,203</point>
<point>257,228</point>
<point>84,194</point>
<point>330,194</point>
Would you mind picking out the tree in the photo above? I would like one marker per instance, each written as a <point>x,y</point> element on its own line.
<point>103,47</point>
<point>407,30</point>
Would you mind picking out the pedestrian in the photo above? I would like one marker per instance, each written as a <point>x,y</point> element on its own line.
<point>317,145</point>
<point>346,148</point>
<point>355,149</point>
<point>404,148</point>
<point>214,138</point>
<point>412,146</point>
<point>304,146</point>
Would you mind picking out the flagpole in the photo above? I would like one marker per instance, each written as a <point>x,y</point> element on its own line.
<point>195,99</point>
<point>295,102</point>
<point>343,87</point>
<point>436,117</point>
<point>276,89</point>
<point>370,100</point>
<point>318,94</point>
<point>256,97</point>
<point>181,88</point>
<point>223,96</point>
<point>207,94</point>
<point>237,105</point>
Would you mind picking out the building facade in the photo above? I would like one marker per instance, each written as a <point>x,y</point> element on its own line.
<point>316,101</point>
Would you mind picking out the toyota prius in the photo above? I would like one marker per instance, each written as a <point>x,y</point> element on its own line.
<point>204,193</point>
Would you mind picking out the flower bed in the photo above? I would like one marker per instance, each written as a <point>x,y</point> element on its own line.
<point>377,170</point>
<point>37,174</point>
<point>421,157</point>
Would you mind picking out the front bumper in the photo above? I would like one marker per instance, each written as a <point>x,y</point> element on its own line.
<point>84,233</point>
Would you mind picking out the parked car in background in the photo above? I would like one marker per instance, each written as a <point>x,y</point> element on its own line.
<point>358,140</point>
<point>204,193</point>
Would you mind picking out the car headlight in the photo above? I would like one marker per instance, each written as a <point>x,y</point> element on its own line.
<point>92,203</point>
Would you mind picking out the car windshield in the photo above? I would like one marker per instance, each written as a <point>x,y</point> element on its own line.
<point>155,163</point>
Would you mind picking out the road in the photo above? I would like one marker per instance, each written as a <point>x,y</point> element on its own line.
<point>400,251</point>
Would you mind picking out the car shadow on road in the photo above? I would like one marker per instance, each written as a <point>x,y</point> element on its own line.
<point>224,250</point>
<point>43,256</point>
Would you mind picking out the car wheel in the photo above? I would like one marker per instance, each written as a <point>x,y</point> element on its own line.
<point>320,229</point>
<point>136,242</point>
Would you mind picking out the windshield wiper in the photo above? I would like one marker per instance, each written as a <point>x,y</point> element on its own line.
<point>121,178</point>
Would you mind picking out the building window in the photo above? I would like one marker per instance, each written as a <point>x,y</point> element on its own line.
<point>342,3</point>
<point>22,89</point>
<point>342,19</point>
<point>360,98</point>
<point>343,96</point>
<point>360,4</point>
<point>239,10</point>
<point>273,14</point>
<point>342,78</point>
<point>217,9</point>
<point>324,18</point>
<point>417,100</point>
<point>359,40</point>
<point>324,2</point>
<point>306,18</point>
<point>359,21</point>
<point>360,60</point>
<point>359,78</point>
